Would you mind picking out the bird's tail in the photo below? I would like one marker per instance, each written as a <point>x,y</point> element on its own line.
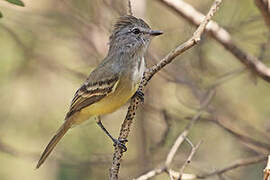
<point>56,138</point>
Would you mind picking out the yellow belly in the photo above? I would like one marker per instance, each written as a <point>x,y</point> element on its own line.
<point>108,104</point>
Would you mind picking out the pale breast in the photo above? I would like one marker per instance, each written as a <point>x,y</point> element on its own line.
<point>138,71</point>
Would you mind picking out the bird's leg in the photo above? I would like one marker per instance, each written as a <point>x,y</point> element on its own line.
<point>140,95</point>
<point>116,142</point>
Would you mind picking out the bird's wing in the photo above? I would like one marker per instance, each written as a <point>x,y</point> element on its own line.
<point>92,92</point>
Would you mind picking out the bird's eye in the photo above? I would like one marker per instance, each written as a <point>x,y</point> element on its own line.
<point>136,31</point>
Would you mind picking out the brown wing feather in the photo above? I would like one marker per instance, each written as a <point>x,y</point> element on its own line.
<point>90,93</point>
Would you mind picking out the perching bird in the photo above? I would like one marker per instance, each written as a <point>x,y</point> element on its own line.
<point>113,82</point>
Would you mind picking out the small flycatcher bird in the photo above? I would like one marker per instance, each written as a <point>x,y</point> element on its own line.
<point>113,82</point>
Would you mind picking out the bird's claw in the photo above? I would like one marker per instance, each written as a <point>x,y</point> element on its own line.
<point>121,144</point>
<point>140,95</point>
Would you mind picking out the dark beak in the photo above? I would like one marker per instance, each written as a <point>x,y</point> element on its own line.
<point>155,33</point>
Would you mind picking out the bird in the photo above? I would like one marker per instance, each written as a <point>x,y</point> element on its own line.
<point>113,82</point>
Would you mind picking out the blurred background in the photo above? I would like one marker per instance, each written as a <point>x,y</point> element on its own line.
<point>48,48</point>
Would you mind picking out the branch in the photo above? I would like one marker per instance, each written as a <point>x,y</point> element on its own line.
<point>263,6</point>
<point>173,174</point>
<point>236,164</point>
<point>188,160</point>
<point>267,170</point>
<point>125,129</point>
<point>129,8</point>
<point>181,139</point>
<point>220,35</point>
<point>258,146</point>
<point>175,147</point>
<point>252,143</point>
<point>172,152</point>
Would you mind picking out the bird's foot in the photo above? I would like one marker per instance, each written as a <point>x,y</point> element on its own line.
<point>140,95</point>
<point>120,143</point>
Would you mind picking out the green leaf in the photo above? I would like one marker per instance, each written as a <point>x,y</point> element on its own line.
<point>16,2</point>
<point>1,15</point>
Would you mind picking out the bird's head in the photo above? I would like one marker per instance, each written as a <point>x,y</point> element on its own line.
<point>131,34</point>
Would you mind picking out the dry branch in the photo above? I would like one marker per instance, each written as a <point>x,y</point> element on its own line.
<point>252,143</point>
<point>180,139</point>
<point>220,35</point>
<point>172,174</point>
<point>172,152</point>
<point>188,160</point>
<point>264,8</point>
<point>129,8</point>
<point>236,164</point>
<point>267,170</point>
<point>125,129</point>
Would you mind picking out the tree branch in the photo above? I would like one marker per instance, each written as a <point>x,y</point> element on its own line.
<point>254,144</point>
<point>220,35</point>
<point>125,129</point>
<point>180,139</point>
<point>129,8</point>
<point>264,8</point>
<point>172,152</point>
<point>267,170</point>
<point>236,164</point>
<point>188,160</point>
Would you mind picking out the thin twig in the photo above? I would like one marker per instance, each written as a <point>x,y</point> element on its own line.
<point>236,164</point>
<point>266,170</point>
<point>186,176</point>
<point>188,160</point>
<point>253,144</point>
<point>195,39</point>
<point>263,6</point>
<point>125,129</point>
<point>172,152</point>
<point>129,8</point>
<point>151,173</point>
<point>176,145</point>
<point>171,176</point>
<point>256,145</point>
<point>181,139</point>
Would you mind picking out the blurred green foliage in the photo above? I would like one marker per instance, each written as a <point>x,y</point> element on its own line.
<point>16,2</point>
